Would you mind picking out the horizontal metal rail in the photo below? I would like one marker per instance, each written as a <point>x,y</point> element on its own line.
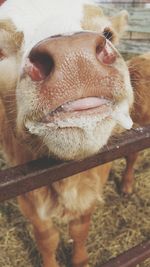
<point>131,257</point>
<point>24,178</point>
<point>21,179</point>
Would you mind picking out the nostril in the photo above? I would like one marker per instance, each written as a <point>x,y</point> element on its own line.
<point>41,65</point>
<point>106,54</point>
<point>100,44</point>
<point>108,33</point>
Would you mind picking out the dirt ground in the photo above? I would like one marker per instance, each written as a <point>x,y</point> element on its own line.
<point>118,224</point>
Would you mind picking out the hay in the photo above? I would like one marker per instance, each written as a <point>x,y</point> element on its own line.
<point>118,224</point>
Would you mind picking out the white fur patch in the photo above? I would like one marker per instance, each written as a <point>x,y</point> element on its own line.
<point>94,132</point>
<point>41,19</point>
<point>121,115</point>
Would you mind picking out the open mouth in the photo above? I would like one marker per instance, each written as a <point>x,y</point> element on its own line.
<point>80,113</point>
<point>82,107</point>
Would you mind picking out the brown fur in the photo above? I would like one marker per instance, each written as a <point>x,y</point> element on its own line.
<point>139,68</point>
<point>37,204</point>
<point>13,41</point>
<point>46,234</point>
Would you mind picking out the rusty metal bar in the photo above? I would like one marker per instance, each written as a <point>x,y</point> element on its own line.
<point>131,257</point>
<point>18,180</point>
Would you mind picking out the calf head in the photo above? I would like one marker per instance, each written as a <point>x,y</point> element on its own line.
<point>72,84</point>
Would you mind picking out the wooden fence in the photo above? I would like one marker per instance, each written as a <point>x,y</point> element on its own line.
<point>21,179</point>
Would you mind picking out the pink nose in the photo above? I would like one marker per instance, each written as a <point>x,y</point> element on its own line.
<point>51,54</point>
<point>107,55</point>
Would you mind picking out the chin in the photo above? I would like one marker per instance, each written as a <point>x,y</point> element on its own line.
<point>74,143</point>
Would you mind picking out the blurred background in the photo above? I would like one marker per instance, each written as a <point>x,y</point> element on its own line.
<point>137,38</point>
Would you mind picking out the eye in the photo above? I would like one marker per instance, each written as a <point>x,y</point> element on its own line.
<point>108,34</point>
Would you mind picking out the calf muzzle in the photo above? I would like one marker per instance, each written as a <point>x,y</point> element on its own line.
<point>50,55</point>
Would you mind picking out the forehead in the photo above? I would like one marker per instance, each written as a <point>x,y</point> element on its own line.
<point>39,19</point>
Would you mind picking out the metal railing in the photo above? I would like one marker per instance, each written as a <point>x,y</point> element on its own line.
<point>24,178</point>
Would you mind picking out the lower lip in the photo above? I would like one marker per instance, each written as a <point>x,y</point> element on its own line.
<point>103,111</point>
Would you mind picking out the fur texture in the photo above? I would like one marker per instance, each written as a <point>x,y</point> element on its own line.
<point>139,68</point>
<point>24,103</point>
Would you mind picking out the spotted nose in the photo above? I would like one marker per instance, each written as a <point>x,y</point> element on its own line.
<point>49,56</point>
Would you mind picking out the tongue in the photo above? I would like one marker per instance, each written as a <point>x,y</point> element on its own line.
<point>85,103</point>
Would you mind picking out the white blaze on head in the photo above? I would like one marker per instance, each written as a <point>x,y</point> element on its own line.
<point>41,19</point>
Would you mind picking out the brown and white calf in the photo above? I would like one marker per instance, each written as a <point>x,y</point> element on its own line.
<point>63,90</point>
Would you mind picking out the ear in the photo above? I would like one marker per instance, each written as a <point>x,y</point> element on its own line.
<point>16,38</point>
<point>120,22</point>
<point>10,54</point>
<point>92,11</point>
<point>111,27</point>
<point>92,16</point>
